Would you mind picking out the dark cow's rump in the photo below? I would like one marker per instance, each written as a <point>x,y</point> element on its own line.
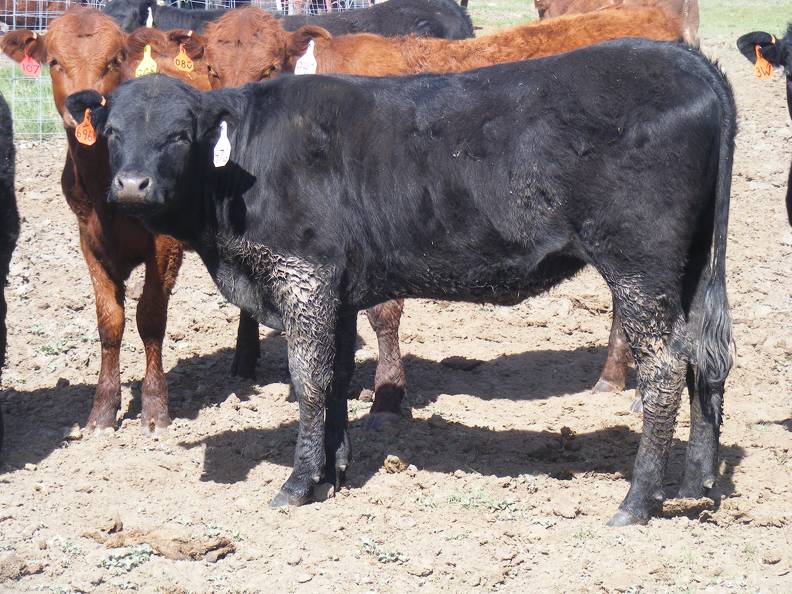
<point>491,185</point>
<point>9,221</point>
<point>778,52</point>
<point>433,18</point>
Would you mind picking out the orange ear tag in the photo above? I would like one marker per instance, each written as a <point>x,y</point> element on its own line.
<point>85,132</point>
<point>30,66</point>
<point>763,69</point>
<point>182,60</point>
<point>147,64</point>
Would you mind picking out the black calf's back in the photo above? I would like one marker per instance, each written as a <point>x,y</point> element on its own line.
<point>9,220</point>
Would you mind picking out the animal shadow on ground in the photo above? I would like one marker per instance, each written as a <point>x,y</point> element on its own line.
<point>443,446</point>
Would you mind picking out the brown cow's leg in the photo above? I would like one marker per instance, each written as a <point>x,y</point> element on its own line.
<point>248,347</point>
<point>389,379</point>
<point>152,315</point>
<point>109,296</point>
<point>614,374</point>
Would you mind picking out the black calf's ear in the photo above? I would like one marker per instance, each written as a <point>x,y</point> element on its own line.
<point>81,101</point>
<point>768,46</point>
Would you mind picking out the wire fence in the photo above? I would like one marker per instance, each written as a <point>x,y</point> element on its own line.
<point>30,98</point>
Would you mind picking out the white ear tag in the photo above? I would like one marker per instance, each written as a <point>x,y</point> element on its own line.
<point>149,18</point>
<point>307,62</point>
<point>222,150</point>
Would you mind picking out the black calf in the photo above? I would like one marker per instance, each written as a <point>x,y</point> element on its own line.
<point>338,193</point>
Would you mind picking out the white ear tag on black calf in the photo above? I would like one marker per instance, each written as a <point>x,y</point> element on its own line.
<point>307,62</point>
<point>222,150</point>
<point>149,18</point>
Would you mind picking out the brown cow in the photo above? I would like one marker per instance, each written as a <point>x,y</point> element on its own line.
<point>685,10</point>
<point>85,50</point>
<point>248,44</point>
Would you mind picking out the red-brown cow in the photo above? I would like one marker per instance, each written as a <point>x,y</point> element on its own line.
<point>85,49</point>
<point>686,10</point>
<point>248,44</point>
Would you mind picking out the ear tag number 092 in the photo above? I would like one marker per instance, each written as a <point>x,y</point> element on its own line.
<point>307,62</point>
<point>85,132</point>
<point>147,64</point>
<point>222,150</point>
<point>182,60</point>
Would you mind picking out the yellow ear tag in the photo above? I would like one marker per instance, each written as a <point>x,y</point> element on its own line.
<point>85,132</point>
<point>763,69</point>
<point>147,64</point>
<point>182,60</point>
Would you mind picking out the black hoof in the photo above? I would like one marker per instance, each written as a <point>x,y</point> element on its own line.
<point>695,488</point>
<point>240,367</point>
<point>284,498</point>
<point>625,518</point>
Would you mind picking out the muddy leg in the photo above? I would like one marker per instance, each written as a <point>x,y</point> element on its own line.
<point>389,379</point>
<point>152,316</point>
<point>309,321</point>
<point>662,362</point>
<point>248,348</point>
<point>109,296</point>
<point>701,457</point>
<point>337,445</point>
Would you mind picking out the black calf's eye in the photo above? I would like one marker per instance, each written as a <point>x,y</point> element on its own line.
<point>178,137</point>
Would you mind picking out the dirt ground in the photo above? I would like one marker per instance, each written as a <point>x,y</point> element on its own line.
<point>514,465</point>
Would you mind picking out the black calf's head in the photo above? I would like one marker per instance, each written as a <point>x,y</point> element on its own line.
<point>162,136</point>
<point>778,52</point>
<point>130,14</point>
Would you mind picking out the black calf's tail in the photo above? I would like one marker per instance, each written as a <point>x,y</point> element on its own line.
<point>714,352</point>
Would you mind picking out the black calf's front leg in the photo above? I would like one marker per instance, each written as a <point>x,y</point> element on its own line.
<point>309,317</point>
<point>662,360</point>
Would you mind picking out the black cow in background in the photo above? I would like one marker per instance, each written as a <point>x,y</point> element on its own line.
<point>779,53</point>
<point>432,18</point>
<point>310,198</point>
<point>9,221</point>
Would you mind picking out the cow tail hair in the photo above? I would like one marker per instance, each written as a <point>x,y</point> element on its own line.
<point>714,356</point>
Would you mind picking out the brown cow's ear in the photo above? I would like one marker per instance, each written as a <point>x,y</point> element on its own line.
<point>299,40</point>
<point>140,38</point>
<point>15,44</point>
<point>193,43</point>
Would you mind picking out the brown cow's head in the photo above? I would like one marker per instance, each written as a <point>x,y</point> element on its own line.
<point>84,49</point>
<point>165,50</point>
<point>247,45</point>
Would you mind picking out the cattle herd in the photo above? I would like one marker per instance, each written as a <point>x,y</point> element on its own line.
<point>322,165</point>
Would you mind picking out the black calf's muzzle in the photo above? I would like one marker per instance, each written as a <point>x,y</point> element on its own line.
<point>132,188</point>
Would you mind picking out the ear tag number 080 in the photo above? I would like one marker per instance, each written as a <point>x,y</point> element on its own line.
<point>182,60</point>
<point>147,64</point>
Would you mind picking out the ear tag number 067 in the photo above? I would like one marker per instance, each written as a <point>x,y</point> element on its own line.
<point>222,150</point>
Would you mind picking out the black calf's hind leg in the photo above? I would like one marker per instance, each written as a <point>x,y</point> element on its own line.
<point>701,457</point>
<point>248,348</point>
<point>661,357</point>
<point>337,446</point>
